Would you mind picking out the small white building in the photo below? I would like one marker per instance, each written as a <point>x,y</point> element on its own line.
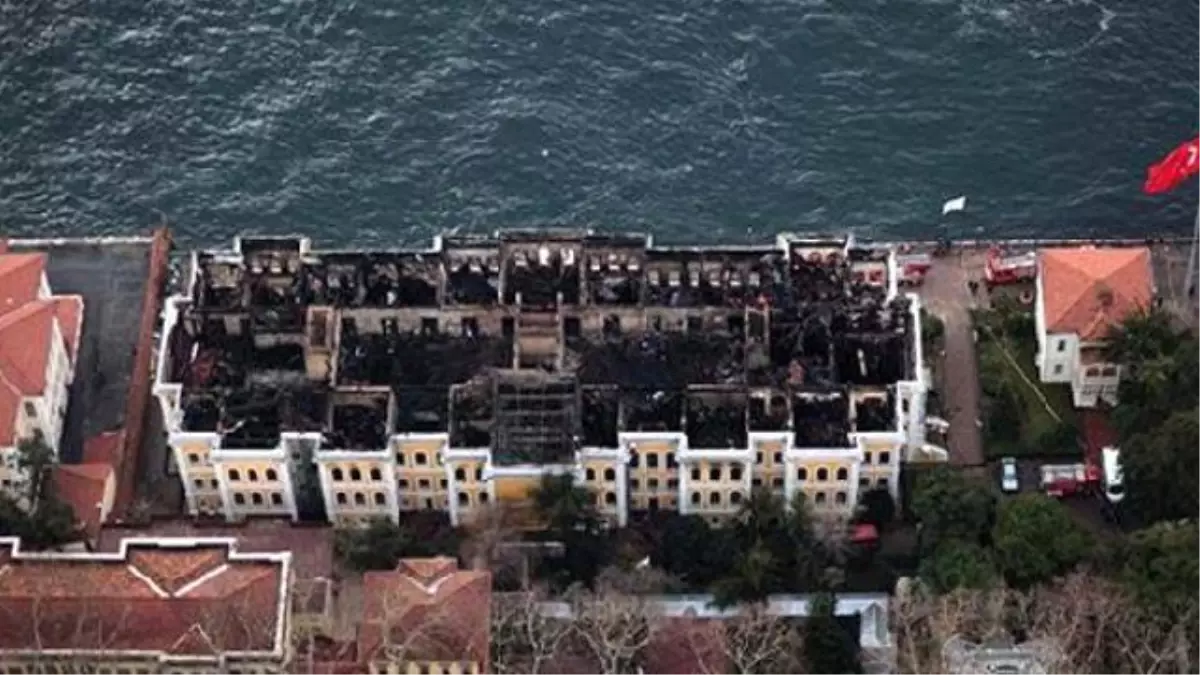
<point>1082,293</point>
<point>39,337</point>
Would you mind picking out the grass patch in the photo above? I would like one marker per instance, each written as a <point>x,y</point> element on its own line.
<point>1021,416</point>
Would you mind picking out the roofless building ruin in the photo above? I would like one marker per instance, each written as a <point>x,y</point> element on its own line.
<point>347,385</point>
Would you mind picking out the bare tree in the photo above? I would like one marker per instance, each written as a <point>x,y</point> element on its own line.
<point>613,627</point>
<point>753,641</point>
<point>1079,624</point>
<point>524,638</point>
<point>88,628</point>
<point>437,631</point>
<point>487,532</point>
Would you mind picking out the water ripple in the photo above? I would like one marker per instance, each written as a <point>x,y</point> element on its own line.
<point>364,123</point>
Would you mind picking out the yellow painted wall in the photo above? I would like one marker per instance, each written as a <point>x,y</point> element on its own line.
<point>515,489</point>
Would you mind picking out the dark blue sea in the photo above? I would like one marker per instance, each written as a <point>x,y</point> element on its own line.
<point>384,121</point>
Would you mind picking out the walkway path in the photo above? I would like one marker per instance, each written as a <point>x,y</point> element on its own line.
<point>945,294</point>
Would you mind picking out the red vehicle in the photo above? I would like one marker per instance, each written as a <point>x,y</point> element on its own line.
<point>1065,480</point>
<point>1004,269</point>
<point>913,267</point>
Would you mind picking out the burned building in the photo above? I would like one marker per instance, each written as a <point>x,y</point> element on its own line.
<point>374,383</point>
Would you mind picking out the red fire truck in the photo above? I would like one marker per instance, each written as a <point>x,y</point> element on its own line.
<point>1003,269</point>
<point>1065,480</point>
<point>913,267</point>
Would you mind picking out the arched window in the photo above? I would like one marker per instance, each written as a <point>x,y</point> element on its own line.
<point>840,498</point>
<point>590,475</point>
<point>359,498</point>
<point>257,499</point>
<point>802,474</point>
<point>355,474</point>
<point>735,497</point>
<point>271,475</point>
<point>842,474</point>
<point>610,498</point>
<point>376,474</point>
<point>252,475</point>
<point>276,498</point>
<point>238,498</point>
<point>820,498</point>
<point>695,497</point>
<point>380,498</point>
<point>337,474</point>
<point>714,498</point>
<point>463,499</point>
<point>234,475</point>
<point>822,474</point>
<point>610,475</point>
<point>341,497</point>
<point>421,459</point>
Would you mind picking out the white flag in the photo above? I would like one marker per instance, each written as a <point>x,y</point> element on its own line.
<point>956,204</point>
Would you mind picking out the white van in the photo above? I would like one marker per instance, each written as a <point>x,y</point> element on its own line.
<point>1114,478</point>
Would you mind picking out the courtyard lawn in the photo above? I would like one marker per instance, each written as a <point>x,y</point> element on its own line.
<point>1021,416</point>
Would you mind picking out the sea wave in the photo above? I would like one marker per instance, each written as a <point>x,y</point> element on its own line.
<point>361,123</point>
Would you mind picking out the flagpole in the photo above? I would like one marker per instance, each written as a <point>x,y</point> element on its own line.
<point>1189,284</point>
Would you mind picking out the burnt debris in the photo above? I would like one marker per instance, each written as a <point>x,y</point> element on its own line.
<point>535,344</point>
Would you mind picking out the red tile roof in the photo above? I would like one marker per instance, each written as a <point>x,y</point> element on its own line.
<point>26,326</point>
<point>25,346</point>
<point>311,547</point>
<point>69,311</point>
<point>171,597</point>
<point>427,610</point>
<point>104,448</point>
<point>10,401</point>
<point>82,486</point>
<point>20,278</point>
<point>1087,290</point>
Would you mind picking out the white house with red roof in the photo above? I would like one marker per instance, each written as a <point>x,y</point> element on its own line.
<point>39,339</point>
<point>1082,293</point>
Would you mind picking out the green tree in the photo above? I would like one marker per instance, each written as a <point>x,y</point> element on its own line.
<point>1160,568</point>
<point>52,523</point>
<point>691,550</point>
<point>951,506</point>
<point>35,458</point>
<point>563,505</point>
<point>48,525</point>
<point>1035,540</point>
<point>755,576</point>
<point>1161,467</point>
<point>1142,336</point>
<point>877,507</point>
<point>382,543</point>
<point>779,550</point>
<point>957,564</point>
<point>828,647</point>
<point>1152,390</point>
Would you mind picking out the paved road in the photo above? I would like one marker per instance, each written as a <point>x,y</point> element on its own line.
<point>945,294</point>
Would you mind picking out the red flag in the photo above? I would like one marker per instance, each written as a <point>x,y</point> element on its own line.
<point>1167,174</point>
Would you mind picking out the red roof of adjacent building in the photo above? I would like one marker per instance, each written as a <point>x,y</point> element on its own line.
<point>1087,290</point>
<point>688,645</point>
<point>26,327</point>
<point>427,610</point>
<point>192,598</point>
<point>20,279</point>
<point>82,486</point>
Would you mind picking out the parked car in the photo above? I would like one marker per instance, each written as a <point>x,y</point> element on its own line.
<point>1008,475</point>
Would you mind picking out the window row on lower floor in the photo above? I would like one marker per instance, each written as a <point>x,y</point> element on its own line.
<point>258,498</point>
